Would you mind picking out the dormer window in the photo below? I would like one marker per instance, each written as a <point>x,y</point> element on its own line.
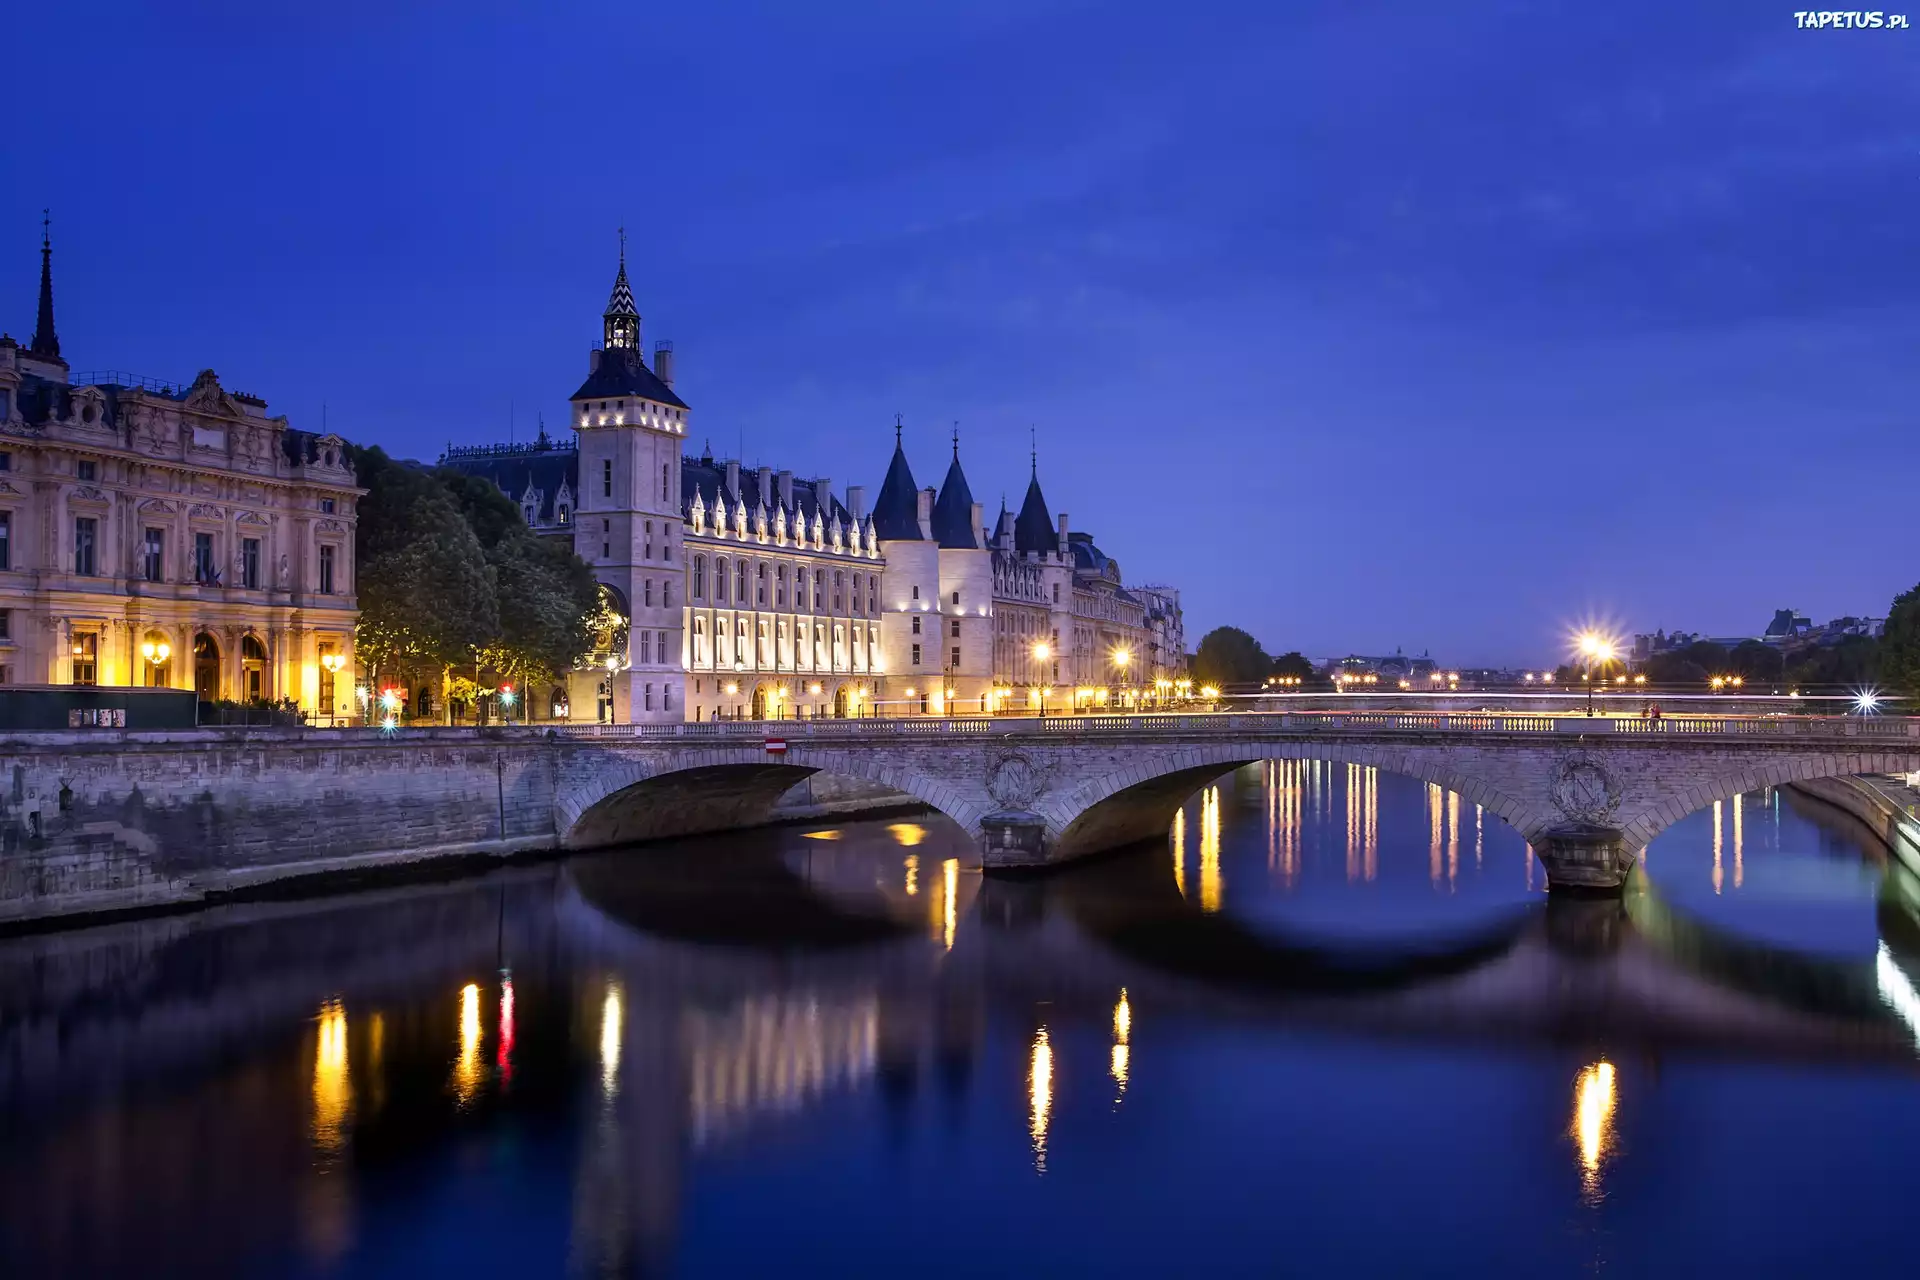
<point>86,470</point>
<point>326,506</point>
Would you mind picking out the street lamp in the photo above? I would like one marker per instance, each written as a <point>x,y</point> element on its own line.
<point>1041,652</point>
<point>1597,649</point>
<point>156,654</point>
<point>1121,657</point>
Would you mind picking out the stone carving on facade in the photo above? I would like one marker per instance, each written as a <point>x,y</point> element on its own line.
<point>281,576</point>
<point>250,517</point>
<point>1584,791</point>
<point>331,526</point>
<point>1014,781</point>
<point>205,511</point>
<point>158,507</point>
<point>87,493</point>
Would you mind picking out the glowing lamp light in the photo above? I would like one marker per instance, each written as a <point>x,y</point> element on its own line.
<point>390,700</point>
<point>1867,701</point>
<point>814,689</point>
<point>156,653</point>
<point>506,695</point>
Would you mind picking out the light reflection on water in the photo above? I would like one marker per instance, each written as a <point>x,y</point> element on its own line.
<point>645,1090</point>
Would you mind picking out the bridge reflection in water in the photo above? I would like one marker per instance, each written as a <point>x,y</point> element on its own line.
<point>607,1023</point>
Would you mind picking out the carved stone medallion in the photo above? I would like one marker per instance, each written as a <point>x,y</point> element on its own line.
<point>1585,792</point>
<point>1014,782</point>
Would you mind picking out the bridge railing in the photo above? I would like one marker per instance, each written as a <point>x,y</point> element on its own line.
<point>1778,728</point>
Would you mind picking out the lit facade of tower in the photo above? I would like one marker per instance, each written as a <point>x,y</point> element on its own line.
<point>630,427</point>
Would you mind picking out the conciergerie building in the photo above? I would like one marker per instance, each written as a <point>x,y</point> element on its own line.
<point>752,592</point>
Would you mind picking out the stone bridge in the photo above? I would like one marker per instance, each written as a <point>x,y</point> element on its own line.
<point>103,820</point>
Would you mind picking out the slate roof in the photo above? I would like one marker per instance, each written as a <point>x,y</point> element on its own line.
<point>1033,528</point>
<point>546,470</point>
<point>708,478</point>
<point>623,372</point>
<point>896,513</point>
<point>953,509</point>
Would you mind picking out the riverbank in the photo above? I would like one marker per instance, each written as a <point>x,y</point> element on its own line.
<point>1883,808</point>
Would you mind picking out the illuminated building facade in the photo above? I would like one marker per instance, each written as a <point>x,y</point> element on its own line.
<point>749,592</point>
<point>165,535</point>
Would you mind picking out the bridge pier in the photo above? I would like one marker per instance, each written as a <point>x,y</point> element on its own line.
<point>1585,859</point>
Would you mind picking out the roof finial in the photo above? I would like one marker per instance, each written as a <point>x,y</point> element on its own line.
<point>623,246</point>
<point>956,440</point>
<point>46,231</point>
<point>896,431</point>
<point>1033,446</point>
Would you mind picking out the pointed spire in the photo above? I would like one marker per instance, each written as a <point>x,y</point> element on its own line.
<point>1033,528</point>
<point>1033,452</point>
<point>896,512</point>
<point>953,509</point>
<point>621,320</point>
<point>46,343</point>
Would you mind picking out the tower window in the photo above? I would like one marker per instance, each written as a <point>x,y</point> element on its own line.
<point>606,477</point>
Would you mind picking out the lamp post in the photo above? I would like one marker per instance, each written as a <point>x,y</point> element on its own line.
<point>156,655</point>
<point>1041,652</point>
<point>1596,649</point>
<point>332,662</point>
<point>1121,657</point>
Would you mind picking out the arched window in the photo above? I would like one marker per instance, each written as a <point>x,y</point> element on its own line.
<point>720,579</point>
<point>740,582</point>
<point>699,577</point>
<point>839,581</point>
<point>819,588</point>
<point>780,586</point>
<point>873,593</point>
<point>699,639</point>
<point>760,586</point>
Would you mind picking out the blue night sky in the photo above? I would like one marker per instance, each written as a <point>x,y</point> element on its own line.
<point>1367,324</point>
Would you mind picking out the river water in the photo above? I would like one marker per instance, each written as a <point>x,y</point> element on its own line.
<point>1332,1027</point>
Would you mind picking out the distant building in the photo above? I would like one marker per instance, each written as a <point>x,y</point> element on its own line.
<point>1789,630</point>
<point>168,535</point>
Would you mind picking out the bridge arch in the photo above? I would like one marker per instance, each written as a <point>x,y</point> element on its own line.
<point>618,795</point>
<point>1653,805</point>
<point>1136,801</point>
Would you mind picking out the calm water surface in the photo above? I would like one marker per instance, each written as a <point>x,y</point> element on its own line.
<point>1333,1027</point>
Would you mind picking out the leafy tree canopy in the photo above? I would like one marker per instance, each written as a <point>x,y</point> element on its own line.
<point>1229,656</point>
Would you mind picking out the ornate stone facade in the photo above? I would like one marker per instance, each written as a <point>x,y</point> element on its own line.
<point>165,535</point>
<point>751,593</point>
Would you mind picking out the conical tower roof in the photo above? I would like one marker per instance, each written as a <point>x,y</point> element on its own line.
<point>896,513</point>
<point>953,509</point>
<point>1033,528</point>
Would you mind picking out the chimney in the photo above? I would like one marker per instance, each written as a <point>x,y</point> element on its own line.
<point>593,362</point>
<point>733,481</point>
<point>663,362</point>
<point>857,501</point>
<point>786,490</point>
<point>1063,533</point>
<point>979,525</point>
<point>923,511</point>
<point>765,475</point>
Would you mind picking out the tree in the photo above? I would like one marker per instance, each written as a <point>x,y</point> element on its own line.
<point>1851,664</point>
<point>1229,656</point>
<point>1756,663</point>
<point>1899,649</point>
<point>546,597</point>
<point>426,605</point>
<point>1294,665</point>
